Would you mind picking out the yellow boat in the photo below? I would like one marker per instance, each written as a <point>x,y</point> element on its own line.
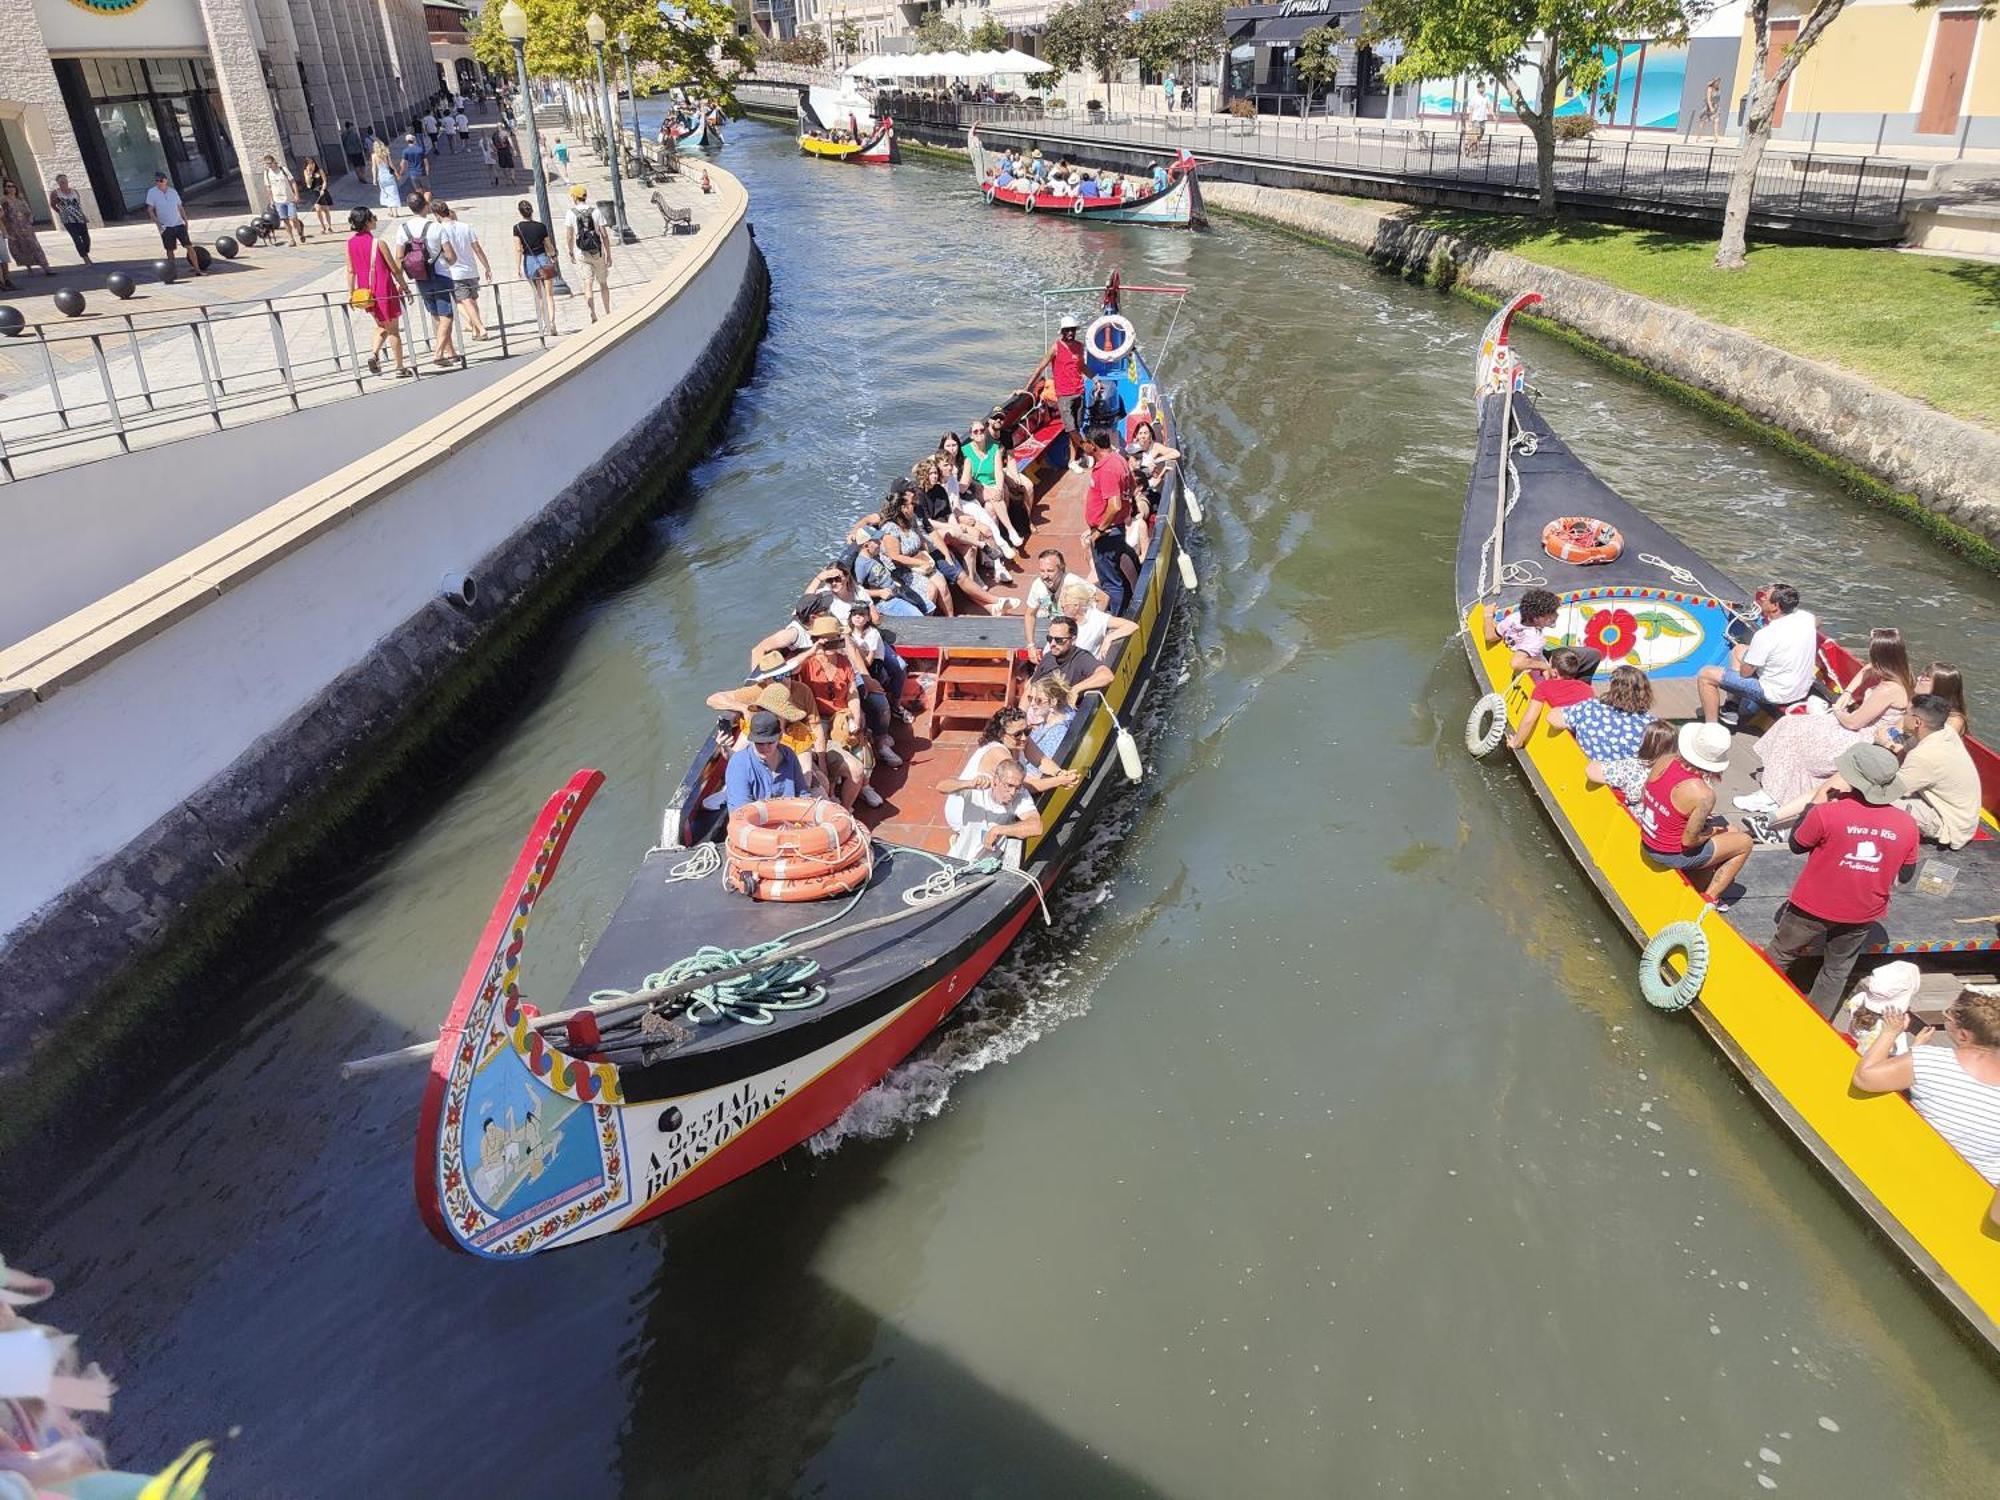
<point>1661,606</point>
<point>873,147</point>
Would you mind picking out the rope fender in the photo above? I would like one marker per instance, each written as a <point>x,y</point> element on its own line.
<point>1486,726</point>
<point>1686,942</point>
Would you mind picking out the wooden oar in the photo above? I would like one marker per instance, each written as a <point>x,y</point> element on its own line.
<point>644,999</point>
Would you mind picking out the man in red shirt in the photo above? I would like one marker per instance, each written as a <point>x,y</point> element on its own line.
<point>1105,511</point>
<point>1858,846</point>
<point>1067,375</point>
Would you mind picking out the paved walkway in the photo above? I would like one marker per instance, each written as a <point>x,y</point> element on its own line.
<point>215,351</point>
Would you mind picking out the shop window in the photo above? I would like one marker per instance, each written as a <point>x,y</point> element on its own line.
<point>132,143</point>
<point>1242,70</point>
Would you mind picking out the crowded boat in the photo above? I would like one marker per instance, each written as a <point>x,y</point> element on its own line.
<point>1803,838</point>
<point>917,754</point>
<point>1168,194</point>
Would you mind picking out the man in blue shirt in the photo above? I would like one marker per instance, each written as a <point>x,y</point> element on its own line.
<point>1160,179</point>
<point>415,165</point>
<point>765,766</point>
<point>1088,188</point>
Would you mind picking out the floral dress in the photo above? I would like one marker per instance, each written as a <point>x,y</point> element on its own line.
<point>17,221</point>
<point>1799,750</point>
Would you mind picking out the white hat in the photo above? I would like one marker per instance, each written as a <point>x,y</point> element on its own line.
<point>1705,746</point>
<point>1891,987</point>
<point>1068,322</point>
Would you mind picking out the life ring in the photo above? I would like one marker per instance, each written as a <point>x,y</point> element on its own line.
<point>1582,540</point>
<point>795,849</point>
<point>1127,335</point>
<point>790,825</point>
<point>800,887</point>
<point>1077,207</point>
<point>1689,943</point>
<point>1486,726</point>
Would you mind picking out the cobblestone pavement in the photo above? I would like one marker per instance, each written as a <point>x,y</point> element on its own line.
<point>213,350</point>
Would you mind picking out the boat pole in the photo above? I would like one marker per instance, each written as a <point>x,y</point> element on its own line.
<point>644,999</point>
<point>1500,485</point>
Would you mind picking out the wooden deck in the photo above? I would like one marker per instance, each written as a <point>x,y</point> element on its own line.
<point>912,810</point>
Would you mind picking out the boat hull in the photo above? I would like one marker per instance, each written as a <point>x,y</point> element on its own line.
<point>1916,1190</point>
<point>1179,206</point>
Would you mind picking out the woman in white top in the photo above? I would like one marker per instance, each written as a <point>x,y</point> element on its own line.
<point>1956,1088</point>
<point>1798,751</point>
<point>1006,737</point>
<point>1095,628</point>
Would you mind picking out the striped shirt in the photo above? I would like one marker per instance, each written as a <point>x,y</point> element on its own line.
<point>1958,1107</point>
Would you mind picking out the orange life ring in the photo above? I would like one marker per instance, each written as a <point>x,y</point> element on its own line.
<point>802,887</point>
<point>1582,540</point>
<point>791,825</point>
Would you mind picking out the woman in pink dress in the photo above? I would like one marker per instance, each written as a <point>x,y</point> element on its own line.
<point>375,284</point>
<point>1799,750</point>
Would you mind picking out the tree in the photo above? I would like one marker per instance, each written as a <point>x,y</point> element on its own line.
<point>1173,39</point>
<point>688,51</point>
<point>806,50</point>
<point>1093,33</point>
<point>846,37</point>
<point>988,36</point>
<point>939,35</point>
<point>1535,48</point>
<point>1318,61</point>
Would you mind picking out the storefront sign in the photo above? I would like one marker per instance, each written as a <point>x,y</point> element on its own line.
<point>108,7</point>
<point>1306,7</point>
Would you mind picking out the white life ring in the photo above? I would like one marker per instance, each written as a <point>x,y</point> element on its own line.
<point>1127,335</point>
<point>1486,726</point>
<point>1077,207</point>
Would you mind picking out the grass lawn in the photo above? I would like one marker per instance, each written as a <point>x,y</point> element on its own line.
<point>1922,325</point>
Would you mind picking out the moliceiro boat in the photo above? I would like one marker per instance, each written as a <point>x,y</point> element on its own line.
<point>1537,517</point>
<point>872,143</point>
<point>708,1031</point>
<point>1177,205</point>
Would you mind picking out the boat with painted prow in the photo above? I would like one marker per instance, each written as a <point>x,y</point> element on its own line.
<point>869,143</point>
<point>709,1032</point>
<point>1652,601</point>
<point>1176,206</point>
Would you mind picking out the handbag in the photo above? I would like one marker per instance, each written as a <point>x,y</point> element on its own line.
<point>361,297</point>
<point>546,271</point>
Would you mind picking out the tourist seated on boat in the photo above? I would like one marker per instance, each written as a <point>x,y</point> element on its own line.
<point>984,817</point>
<point>789,701</point>
<point>1525,630</point>
<point>1096,627</point>
<point>840,740</point>
<point>1086,186</point>
<point>992,521</point>
<point>1052,576</point>
<point>967,533</point>
<point>867,651</point>
<point>1941,782</point>
<point>1858,845</point>
<point>1003,176</point>
<point>1007,736</point>
<point>1627,775</point>
<point>879,581</point>
<point>1954,1086</point>
<point>794,637</point>
<point>1678,829</point>
<point>1151,459</point>
<point>1567,685</point>
<point>1050,706</point>
<point>1611,728</point>
<point>1066,659</point>
<point>1038,166</point>
<point>985,475</point>
<point>878,656</point>
<point>905,549</point>
<point>1774,670</point>
<point>763,766</point>
<point>1942,680</point>
<point>1798,752</point>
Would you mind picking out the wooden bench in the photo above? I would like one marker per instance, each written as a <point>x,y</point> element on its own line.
<point>674,220</point>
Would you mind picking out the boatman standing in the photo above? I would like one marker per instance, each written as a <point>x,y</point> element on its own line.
<point>1066,373</point>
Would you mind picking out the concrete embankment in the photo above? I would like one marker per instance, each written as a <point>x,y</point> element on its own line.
<point>1948,467</point>
<point>167,751</point>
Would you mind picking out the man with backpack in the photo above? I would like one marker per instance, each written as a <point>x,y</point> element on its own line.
<point>590,241</point>
<point>420,253</point>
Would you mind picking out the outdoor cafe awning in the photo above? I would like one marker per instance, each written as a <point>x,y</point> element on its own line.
<point>948,65</point>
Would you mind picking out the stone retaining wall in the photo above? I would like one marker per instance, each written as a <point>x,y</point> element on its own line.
<point>1949,466</point>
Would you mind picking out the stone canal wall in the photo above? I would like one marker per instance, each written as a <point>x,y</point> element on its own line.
<point>1949,467</point>
<point>165,752</point>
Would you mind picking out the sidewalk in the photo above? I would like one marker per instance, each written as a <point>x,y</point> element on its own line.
<point>270,332</point>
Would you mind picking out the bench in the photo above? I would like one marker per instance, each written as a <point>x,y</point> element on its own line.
<point>674,220</point>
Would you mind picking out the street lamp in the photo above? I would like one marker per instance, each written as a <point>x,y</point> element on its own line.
<point>594,28</point>
<point>632,93</point>
<point>514,24</point>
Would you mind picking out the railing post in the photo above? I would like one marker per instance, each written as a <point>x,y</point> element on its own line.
<point>500,317</point>
<point>110,392</point>
<point>282,351</point>
<point>1805,176</point>
<point>201,361</point>
<point>138,362</point>
<point>55,385</point>
<point>1707,171</point>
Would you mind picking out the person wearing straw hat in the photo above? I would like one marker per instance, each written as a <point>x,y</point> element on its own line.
<point>1678,829</point>
<point>1858,845</point>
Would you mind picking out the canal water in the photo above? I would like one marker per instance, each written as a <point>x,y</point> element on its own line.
<point>1325,1148</point>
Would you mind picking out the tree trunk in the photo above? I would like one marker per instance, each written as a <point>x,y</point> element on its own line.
<point>1543,128</point>
<point>1734,246</point>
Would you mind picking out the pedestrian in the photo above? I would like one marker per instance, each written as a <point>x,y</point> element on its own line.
<point>589,238</point>
<point>314,178</point>
<point>486,154</point>
<point>375,286</point>
<point>355,150</point>
<point>429,125</point>
<point>1710,123</point>
<point>388,180</point>
<point>1858,845</point>
<point>420,252</point>
<point>464,125</point>
<point>416,160</point>
<point>283,189</point>
<point>562,158</point>
<point>535,263</point>
<point>503,149</point>
<point>68,206</point>
<point>163,207</point>
<point>1477,115</point>
<point>1171,86</point>
<point>17,220</point>
<point>465,263</point>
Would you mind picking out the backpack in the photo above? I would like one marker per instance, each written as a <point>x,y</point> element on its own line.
<point>416,254</point>
<point>588,241</point>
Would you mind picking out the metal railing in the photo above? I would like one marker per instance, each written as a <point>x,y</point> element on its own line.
<point>1797,186</point>
<point>122,381</point>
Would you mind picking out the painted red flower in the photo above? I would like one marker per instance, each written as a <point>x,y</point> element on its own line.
<point>1612,632</point>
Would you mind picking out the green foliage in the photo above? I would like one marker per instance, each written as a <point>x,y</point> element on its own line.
<point>988,36</point>
<point>1318,61</point>
<point>1575,127</point>
<point>686,51</point>
<point>1088,33</point>
<point>1243,109</point>
<point>1173,38</point>
<point>846,36</point>
<point>807,49</point>
<point>939,35</point>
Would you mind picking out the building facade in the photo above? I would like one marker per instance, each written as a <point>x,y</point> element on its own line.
<point>110,91</point>
<point>451,27</point>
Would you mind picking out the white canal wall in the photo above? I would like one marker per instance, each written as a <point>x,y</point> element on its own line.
<point>150,742</point>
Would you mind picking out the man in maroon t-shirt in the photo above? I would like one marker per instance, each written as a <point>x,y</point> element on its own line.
<point>1066,373</point>
<point>1105,511</point>
<point>1858,847</point>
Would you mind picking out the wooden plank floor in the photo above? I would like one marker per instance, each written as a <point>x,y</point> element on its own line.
<point>912,810</point>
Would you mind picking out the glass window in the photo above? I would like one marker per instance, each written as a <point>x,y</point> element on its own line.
<point>1657,98</point>
<point>1242,65</point>
<point>118,78</point>
<point>132,141</point>
<point>183,145</point>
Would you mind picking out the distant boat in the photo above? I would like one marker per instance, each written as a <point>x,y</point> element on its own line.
<point>1537,517</point>
<point>870,146</point>
<point>1177,205</point>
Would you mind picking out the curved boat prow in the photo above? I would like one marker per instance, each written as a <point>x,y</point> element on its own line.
<point>1500,369</point>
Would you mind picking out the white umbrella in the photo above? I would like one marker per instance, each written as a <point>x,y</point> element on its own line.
<point>1019,62</point>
